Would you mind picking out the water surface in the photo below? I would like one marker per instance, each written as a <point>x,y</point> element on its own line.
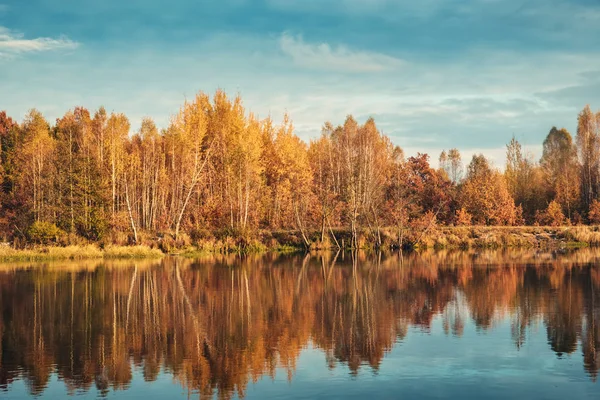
<point>491,324</point>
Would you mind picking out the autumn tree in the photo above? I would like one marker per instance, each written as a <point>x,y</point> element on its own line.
<point>113,156</point>
<point>463,218</point>
<point>246,170</point>
<point>417,196</point>
<point>10,139</point>
<point>400,203</point>
<point>594,213</point>
<point>444,163</point>
<point>324,162</point>
<point>485,195</point>
<point>560,169</point>
<point>152,175</point>
<point>428,190</point>
<point>376,155</point>
<point>588,145</point>
<point>351,164</point>
<point>36,166</point>
<point>80,191</point>
<point>455,165</point>
<point>524,180</point>
<point>289,179</point>
<point>552,216</point>
<point>187,155</point>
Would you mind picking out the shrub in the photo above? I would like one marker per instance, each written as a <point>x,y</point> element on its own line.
<point>198,234</point>
<point>554,214</point>
<point>577,219</point>
<point>42,232</point>
<point>463,218</point>
<point>95,229</point>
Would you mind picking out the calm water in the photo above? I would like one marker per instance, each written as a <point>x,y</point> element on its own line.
<point>514,324</point>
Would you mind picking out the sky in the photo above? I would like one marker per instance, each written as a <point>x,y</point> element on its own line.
<point>435,74</point>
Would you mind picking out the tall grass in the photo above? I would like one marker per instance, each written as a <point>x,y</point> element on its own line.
<point>131,252</point>
<point>512,236</point>
<point>442,237</point>
<point>89,251</point>
<point>583,234</point>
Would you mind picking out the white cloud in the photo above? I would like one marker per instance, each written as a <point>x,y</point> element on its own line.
<point>474,102</point>
<point>13,43</point>
<point>341,58</point>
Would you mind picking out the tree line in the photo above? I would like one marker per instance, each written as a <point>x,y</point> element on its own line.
<point>219,168</point>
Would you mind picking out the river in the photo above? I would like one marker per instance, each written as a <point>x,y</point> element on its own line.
<point>447,324</point>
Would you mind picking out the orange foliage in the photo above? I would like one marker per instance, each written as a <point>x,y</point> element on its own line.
<point>463,218</point>
<point>594,213</point>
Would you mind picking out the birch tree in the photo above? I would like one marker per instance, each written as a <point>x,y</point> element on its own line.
<point>35,159</point>
<point>188,154</point>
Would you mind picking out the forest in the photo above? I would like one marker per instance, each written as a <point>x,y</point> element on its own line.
<point>219,173</point>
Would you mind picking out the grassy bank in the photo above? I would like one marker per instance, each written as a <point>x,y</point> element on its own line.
<point>459,237</point>
<point>43,253</point>
<point>510,236</point>
<point>442,237</point>
<point>464,237</point>
<point>439,237</point>
<point>480,237</point>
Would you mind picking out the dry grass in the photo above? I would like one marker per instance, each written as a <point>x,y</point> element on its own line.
<point>583,234</point>
<point>511,236</point>
<point>131,252</point>
<point>441,237</point>
<point>77,253</point>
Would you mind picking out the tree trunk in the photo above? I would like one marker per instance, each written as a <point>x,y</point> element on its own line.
<point>306,242</point>
<point>135,236</point>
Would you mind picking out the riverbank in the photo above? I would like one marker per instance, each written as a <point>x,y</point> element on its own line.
<point>77,252</point>
<point>456,237</point>
<point>511,237</point>
<point>464,237</point>
<point>439,237</point>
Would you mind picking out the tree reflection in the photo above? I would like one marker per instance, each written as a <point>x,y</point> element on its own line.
<point>218,323</point>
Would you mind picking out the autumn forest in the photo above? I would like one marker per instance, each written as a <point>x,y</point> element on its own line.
<point>217,172</point>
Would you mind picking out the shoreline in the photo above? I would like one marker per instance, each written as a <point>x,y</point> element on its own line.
<point>461,237</point>
<point>77,252</point>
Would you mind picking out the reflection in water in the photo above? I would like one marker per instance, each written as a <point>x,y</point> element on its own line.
<point>217,323</point>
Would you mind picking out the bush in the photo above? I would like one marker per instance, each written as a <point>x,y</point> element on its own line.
<point>166,243</point>
<point>463,218</point>
<point>198,234</point>
<point>95,229</point>
<point>42,232</point>
<point>554,214</point>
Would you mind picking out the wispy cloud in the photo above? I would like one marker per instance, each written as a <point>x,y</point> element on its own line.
<point>434,73</point>
<point>340,58</point>
<point>14,43</point>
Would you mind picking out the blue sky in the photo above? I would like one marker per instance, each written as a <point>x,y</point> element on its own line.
<point>434,73</point>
